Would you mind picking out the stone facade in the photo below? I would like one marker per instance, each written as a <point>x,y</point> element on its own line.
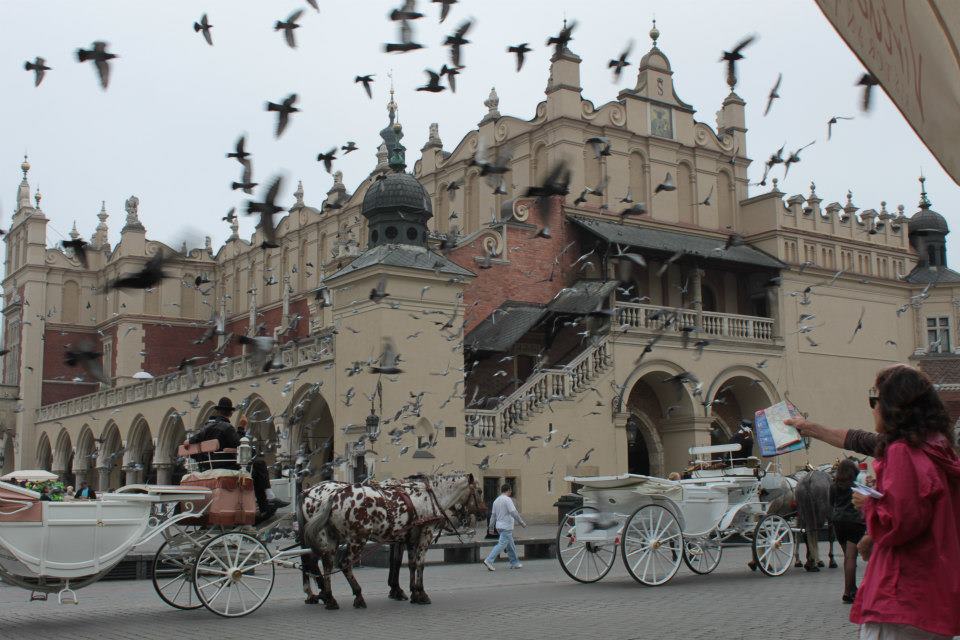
<point>501,410</point>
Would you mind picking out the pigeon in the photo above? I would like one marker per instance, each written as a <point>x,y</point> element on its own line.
<point>832,121</point>
<point>267,209</point>
<point>284,109</point>
<point>231,215</point>
<point>666,185</point>
<point>520,50</point>
<point>39,68</point>
<point>557,183</point>
<point>793,158</point>
<point>600,144</point>
<point>562,39</point>
<point>365,81</point>
<point>731,58</point>
<point>288,26</point>
<point>327,158</point>
<point>261,347</point>
<point>204,26</point>
<point>78,247</point>
<point>238,150</point>
<point>85,357</point>
<point>868,81</point>
<point>389,359</point>
<point>585,458</point>
<point>773,95</point>
<point>151,275</point>
<point>445,8</point>
<point>378,293</point>
<point>451,73</point>
<point>347,148</point>
<point>619,63</point>
<point>500,164</point>
<point>456,42</point>
<point>433,84</point>
<point>859,326</point>
<point>406,43</point>
<point>313,3</point>
<point>246,179</point>
<point>101,59</point>
<point>407,12</point>
<point>706,201</point>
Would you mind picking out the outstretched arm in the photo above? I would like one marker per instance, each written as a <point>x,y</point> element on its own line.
<point>808,429</point>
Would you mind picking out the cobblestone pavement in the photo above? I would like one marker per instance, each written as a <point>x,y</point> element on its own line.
<point>538,601</point>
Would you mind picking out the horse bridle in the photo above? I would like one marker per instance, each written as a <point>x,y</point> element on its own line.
<point>472,498</point>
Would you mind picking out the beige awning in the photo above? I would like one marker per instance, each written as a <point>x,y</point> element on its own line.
<point>913,48</point>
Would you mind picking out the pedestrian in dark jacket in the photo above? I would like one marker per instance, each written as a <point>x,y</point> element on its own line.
<point>218,428</point>
<point>847,523</point>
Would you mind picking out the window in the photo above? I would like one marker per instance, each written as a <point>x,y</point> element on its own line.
<point>938,335</point>
<point>684,193</point>
<point>450,432</point>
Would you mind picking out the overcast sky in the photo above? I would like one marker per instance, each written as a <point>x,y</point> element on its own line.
<point>176,105</point>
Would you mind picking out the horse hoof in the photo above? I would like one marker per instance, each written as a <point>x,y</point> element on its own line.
<point>359,603</point>
<point>421,599</point>
<point>312,600</point>
<point>820,563</point>
<point>833,565</point>
<point>813,569</point>
<point>332,605</point>
<point>398,595</point>
<point>752,565</point>
<point>798,565</point>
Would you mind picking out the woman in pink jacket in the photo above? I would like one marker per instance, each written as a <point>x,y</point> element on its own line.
<point>912,584</point>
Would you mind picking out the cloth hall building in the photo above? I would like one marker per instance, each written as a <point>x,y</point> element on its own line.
<point>516,334</point>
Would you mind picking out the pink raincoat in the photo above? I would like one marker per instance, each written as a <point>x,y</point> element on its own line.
<point>913,576</point>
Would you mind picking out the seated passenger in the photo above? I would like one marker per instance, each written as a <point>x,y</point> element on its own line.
<point>743,437</point>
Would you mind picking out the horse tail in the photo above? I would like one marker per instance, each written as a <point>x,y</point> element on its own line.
<point>312,528</point>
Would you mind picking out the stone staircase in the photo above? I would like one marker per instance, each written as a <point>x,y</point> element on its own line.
<point>533,396</point>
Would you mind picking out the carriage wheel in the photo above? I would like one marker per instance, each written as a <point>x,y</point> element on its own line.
<point>773,545</point>
<point>583,561</point>
<point>702,554</point>
<point>233,575</point>
<point>173,572</point>
<point>652,545</point>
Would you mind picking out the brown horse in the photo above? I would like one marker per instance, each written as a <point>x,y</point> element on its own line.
<point>411,512</point>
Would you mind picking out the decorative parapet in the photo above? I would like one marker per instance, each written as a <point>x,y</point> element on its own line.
<point>318,349</point>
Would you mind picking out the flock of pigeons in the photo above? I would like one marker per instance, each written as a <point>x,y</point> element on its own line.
<point>265,348</point>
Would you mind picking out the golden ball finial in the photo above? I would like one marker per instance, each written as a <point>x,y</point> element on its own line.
<point>654,32</point>
<point>25,165</point>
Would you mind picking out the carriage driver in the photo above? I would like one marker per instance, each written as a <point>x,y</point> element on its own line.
<point>218,427</point>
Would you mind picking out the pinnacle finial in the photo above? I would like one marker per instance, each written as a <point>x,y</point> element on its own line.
<point>74,234</point>
<point>654,33</point>
<point>25,166</point>
<point>924,200</point>
<point>298,194</point>
<point>37,197</point>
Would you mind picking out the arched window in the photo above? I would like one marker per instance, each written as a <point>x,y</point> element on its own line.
<point>188,297</point>
<point>321,251</point>
<point>151,301</point>
<point>442,222</point>
<point>592,169</point>
<point>684,193</point>
<point>931,255</point>
<point>472,202</point>
<point>724,200</point>
<point>638,178</point>
<point>70,302</point>
<point>301,267</point>
<point>539,169</point>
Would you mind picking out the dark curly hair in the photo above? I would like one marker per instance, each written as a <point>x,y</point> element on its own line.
<point>910,408</point>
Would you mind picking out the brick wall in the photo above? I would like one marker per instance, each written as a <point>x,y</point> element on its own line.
<point>166,346</point>
<point>57,376</point>
<point>530,260</point>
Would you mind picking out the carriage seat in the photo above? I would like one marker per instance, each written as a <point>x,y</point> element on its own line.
<point>231,500</point>
<point>211,474</point>
<point>207,446</point>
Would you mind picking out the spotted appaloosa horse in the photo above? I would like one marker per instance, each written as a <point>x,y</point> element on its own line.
<point>410,511</point>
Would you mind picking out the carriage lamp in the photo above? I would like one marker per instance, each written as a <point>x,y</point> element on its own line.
<point>244,452</point>
<point>373,425</point>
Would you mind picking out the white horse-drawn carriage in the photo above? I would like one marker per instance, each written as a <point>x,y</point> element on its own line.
<point>659,523</point>
<point>212,555</point>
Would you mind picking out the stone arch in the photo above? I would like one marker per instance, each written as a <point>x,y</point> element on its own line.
<point>261,427</point>
<point>309,431</point>
<point>70,302</point>
<point>444,202</point>
<point>639,176</point>
<point>424,430</point>
<point>44,453</point>
<point>63,456</point>
<point>645,428</point>
<point>109,457</point>
<point>685,202</point>
<point>188,297</point>
<point>171,435</point>
<point>654,371</point>
<point>204,414</point>
<point>592,167</point>
<point>725,199</point>
<point>138,455</point>
<point>84,460</point>
<point>736,394</point>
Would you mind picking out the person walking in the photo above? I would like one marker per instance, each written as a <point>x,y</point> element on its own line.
<point>911,586</point>
<point>503,515</point>
<point>847,522</point>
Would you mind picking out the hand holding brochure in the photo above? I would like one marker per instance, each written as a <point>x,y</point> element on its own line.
<point>773,435</point>
<point>863,489</point>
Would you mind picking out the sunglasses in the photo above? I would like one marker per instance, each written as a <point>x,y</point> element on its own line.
<point>873,398</point>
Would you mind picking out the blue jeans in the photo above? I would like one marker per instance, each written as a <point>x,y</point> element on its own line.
<point>505,542</point>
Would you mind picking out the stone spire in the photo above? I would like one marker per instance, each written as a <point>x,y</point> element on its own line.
<point>433,139</point>
<point>23,192</point>
<point>234,228</point>
<point>100,238</point>
<point>298,194</point>
<point>924,200</point>
<point>392,134</point>
<point>74,234</point>
<point>132,206</point>
<point>491,103</point>
<point>37,197</point>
